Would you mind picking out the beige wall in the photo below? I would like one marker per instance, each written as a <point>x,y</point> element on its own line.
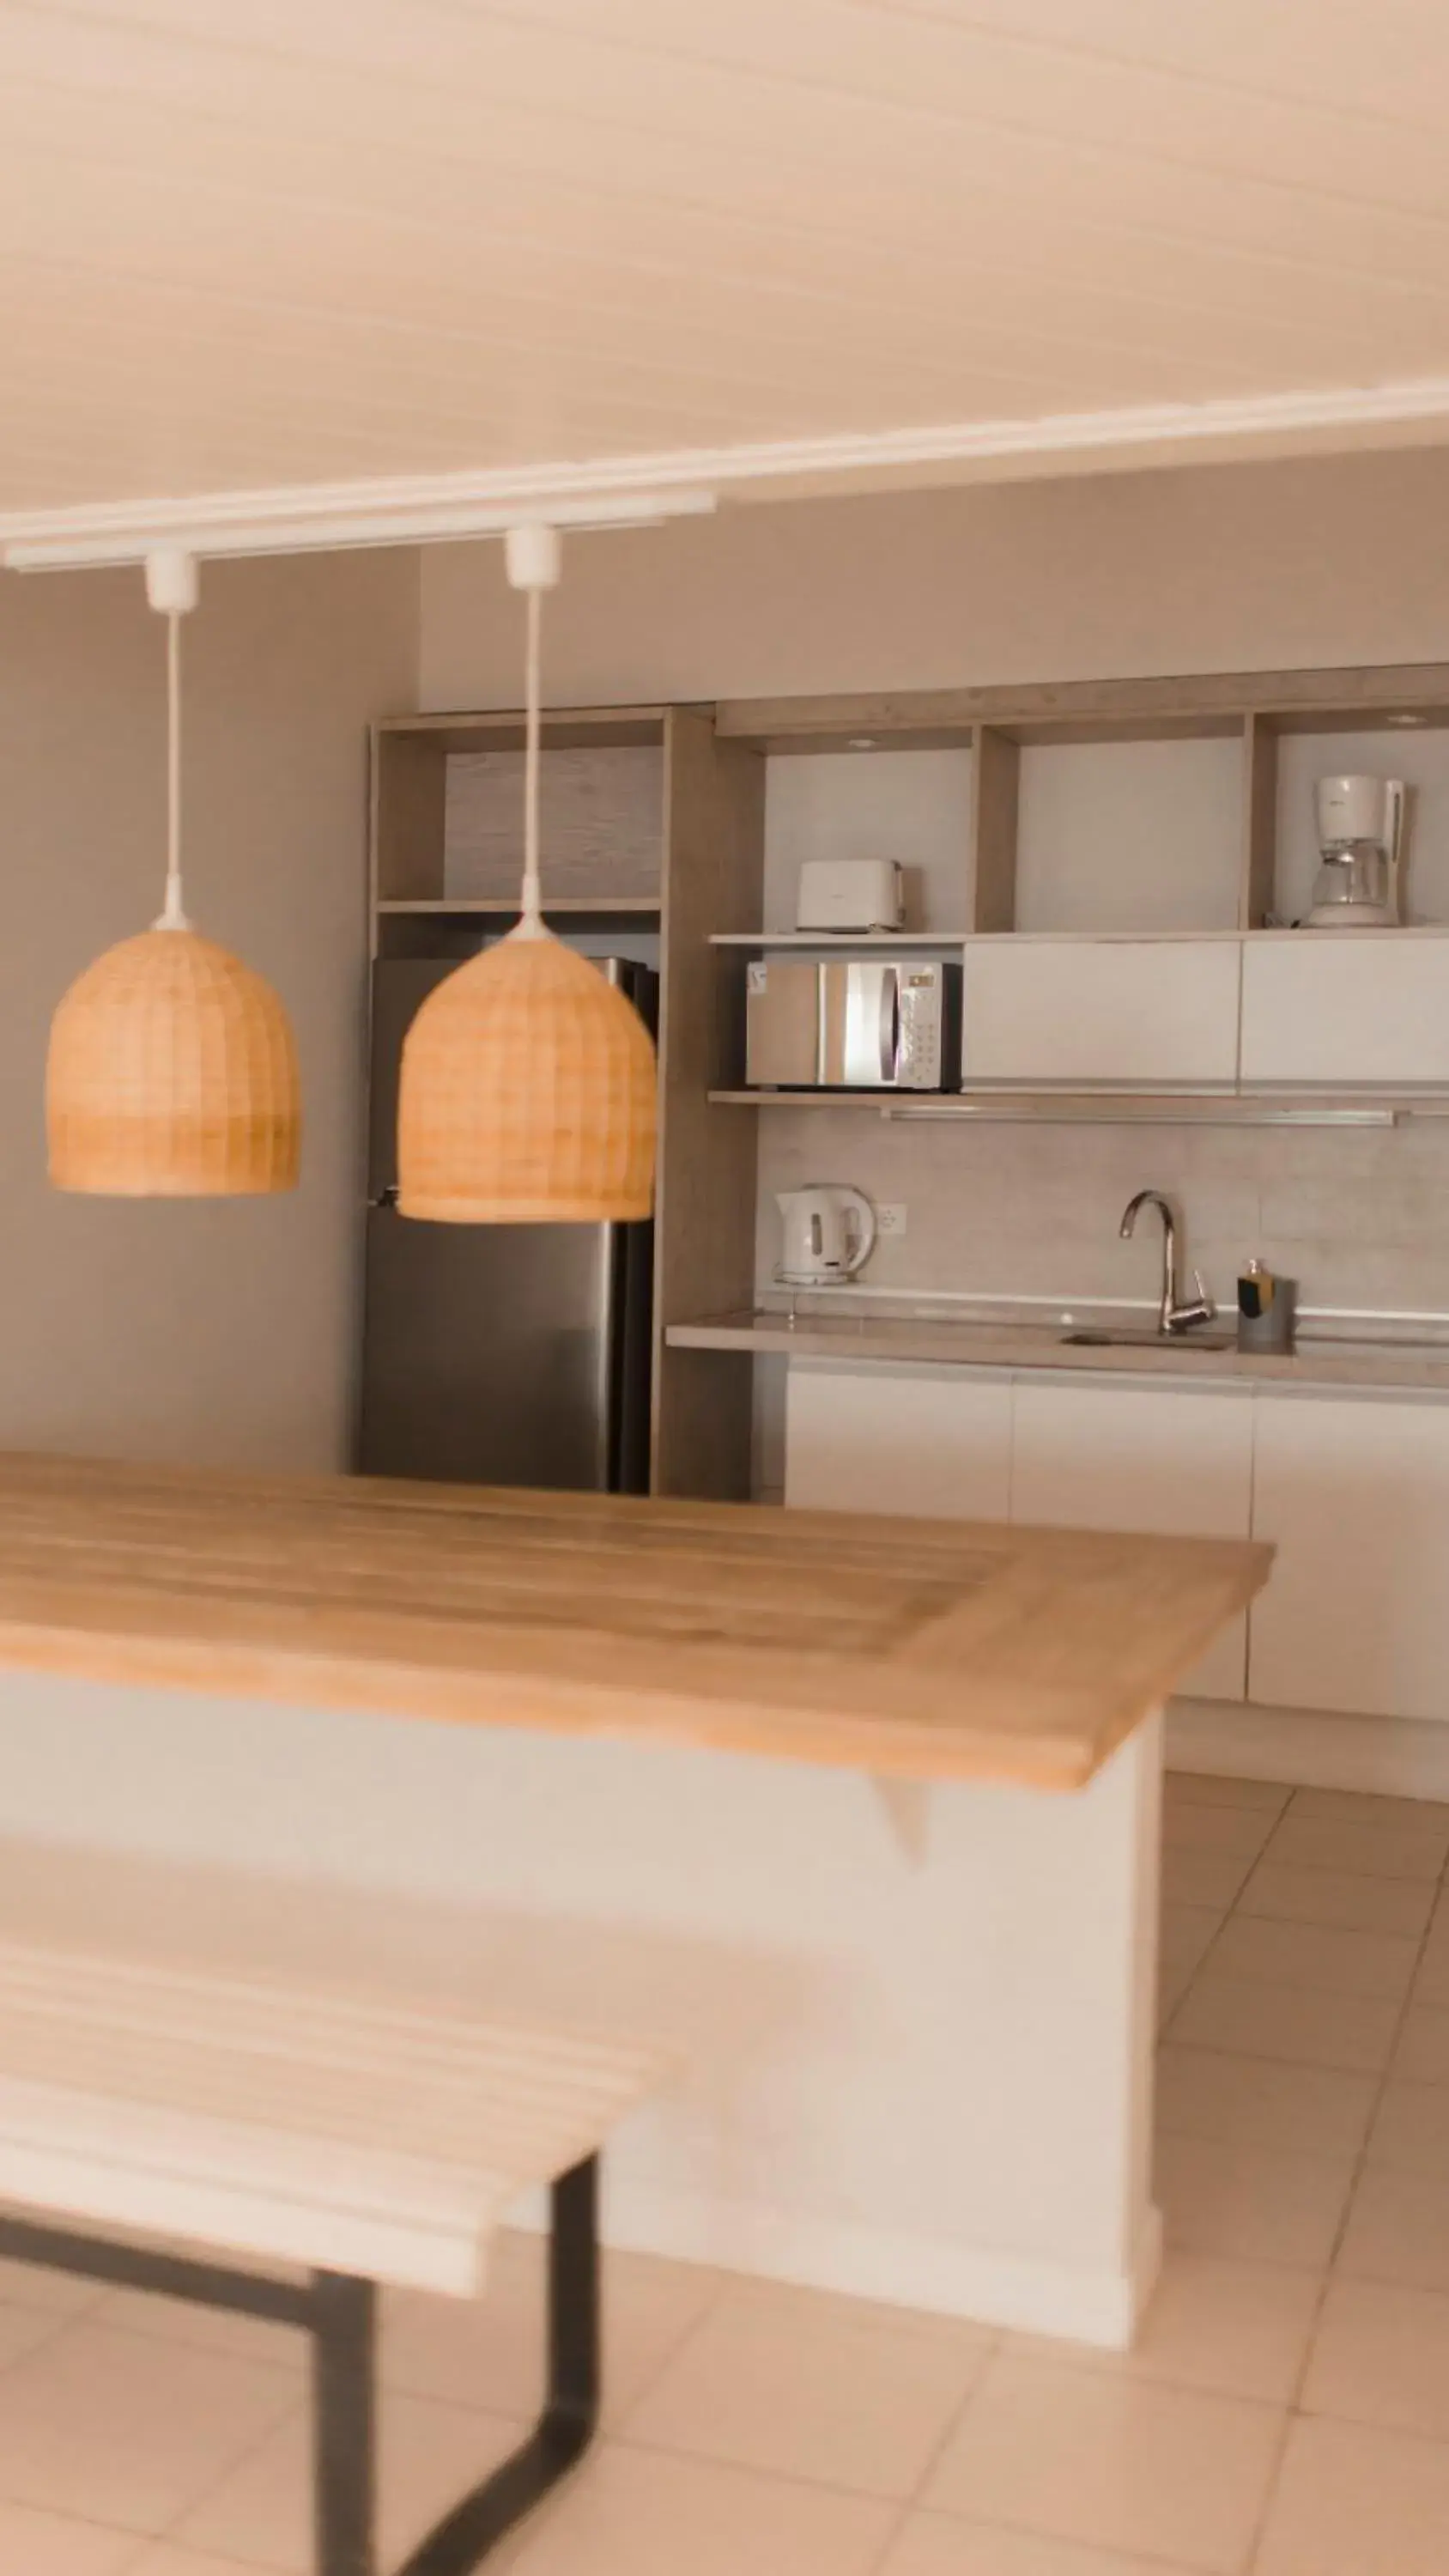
<point>1204,569</point>
<point>213,1330</point>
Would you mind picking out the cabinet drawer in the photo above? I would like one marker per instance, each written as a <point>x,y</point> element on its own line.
<point>898,1440</point>
<point>1149,1011</point>
<point>1119,1458</point>
<point>1329,1006</point>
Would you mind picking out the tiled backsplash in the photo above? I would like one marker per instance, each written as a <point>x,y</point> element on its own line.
<point>1359,1216</point>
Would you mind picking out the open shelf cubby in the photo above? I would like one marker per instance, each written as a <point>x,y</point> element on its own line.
<point>448,811</point>
<point>1121,808</point>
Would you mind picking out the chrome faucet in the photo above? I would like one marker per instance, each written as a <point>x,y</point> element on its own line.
<point>1171,1317</point>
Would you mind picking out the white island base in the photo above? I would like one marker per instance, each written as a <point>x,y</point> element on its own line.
<point>913,2023</point>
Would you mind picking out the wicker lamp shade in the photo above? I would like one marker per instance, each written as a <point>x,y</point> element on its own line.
<point>172,1073</point>
<point>526,1094</point>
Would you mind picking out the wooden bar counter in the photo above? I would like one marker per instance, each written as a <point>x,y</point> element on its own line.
<point>932,1650</point>
<point>765,1785</point>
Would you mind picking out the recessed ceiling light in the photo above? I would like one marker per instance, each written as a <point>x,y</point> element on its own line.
<point>1408,720</point>
<point>862,742</point>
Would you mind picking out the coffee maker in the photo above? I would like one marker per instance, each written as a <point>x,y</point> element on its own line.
<point>1360,835</point>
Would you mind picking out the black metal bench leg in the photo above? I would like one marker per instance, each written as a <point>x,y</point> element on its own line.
<point>340,2314</point>
<point>575,2360</point>
<point>571,2405</point>
<point>344,2425</point>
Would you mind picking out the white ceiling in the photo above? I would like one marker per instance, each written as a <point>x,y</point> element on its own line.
<point>261,243</point>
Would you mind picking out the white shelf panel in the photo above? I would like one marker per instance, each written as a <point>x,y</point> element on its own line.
<point>505,907</point>
<point>932,939</point>
<point>1261,1108</point>
<point>902,940</point>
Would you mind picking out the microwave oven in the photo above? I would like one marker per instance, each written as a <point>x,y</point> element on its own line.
<point>853,1024</point>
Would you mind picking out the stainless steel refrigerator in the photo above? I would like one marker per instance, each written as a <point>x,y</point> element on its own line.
<point>498,1354</point>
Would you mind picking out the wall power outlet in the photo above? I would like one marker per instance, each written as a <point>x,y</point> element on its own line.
<point>890,1219</point>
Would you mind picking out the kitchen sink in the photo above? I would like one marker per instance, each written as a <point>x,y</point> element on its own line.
<point>1140,1340</point>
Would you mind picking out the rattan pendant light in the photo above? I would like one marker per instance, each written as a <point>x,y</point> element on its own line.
<point>527,1087</point>
<point>172,1072</point>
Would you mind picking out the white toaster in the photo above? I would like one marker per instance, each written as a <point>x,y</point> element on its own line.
<point>844,895</point>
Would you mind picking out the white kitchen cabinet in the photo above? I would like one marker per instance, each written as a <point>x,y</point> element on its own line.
<point>898,1440</point>
<point>1355,1494</point>
<point>1151,1011</point>
<point>1177,1463</point>
<point>1344,1007</point>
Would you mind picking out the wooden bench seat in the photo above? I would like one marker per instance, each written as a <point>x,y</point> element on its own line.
<point>365,2141</point>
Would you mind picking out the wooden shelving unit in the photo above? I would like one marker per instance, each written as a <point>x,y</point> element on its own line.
<point>688,810</point>
<point>668,847</point>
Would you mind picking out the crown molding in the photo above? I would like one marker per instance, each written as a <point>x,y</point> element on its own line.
<point>644,490</point>
<point>1329,420</point>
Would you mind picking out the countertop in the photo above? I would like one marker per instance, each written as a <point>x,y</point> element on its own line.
<point>924,1649</point>
<point>1365,1366</point>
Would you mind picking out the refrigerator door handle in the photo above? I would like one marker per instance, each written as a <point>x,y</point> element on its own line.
<point>608,1393</point>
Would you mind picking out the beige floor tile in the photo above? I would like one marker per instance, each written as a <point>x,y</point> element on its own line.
<point>1365,1807</point>
<point>1398,2230</point>
<point>1163,2472</point>
<point>1296,2025</point>
<point>1432,1983</point>
<point>1326,1958</point>
<point>429,2456</point>
<point>1173,1983</point>
<point>164,2559</point>
<point>939,2544</point>
<point>1342,1898</point>
<point>1206,1789</point>
<point>32,2285</point>
<point>24,2330</point>
<point>1203,1877</point>
<point>50,2544</point>
<point>1381,2356</point>
<point>1254,2102</point>
<point>1241,2329</point>
<point>205,2329</point>
<point>1248,2205</point>
<point>647,2513</point>
<point>1410,2134</point>
<point>1188,1933</point>
<point>128,2429</point>
<point>1371,1851</point>
<point>1355,2502</point>
<point>1422,2055</point>
<point>824,2389</point>
<point>1237,1832</point>
<point>490,2352</point>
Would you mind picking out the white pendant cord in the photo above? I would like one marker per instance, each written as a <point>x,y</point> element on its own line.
<point>172,915</point>
<point>531,555</point>
<point>171,590</point>
<point>531,923</point>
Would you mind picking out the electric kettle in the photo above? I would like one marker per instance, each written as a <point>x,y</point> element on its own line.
<point>829,1234</point>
